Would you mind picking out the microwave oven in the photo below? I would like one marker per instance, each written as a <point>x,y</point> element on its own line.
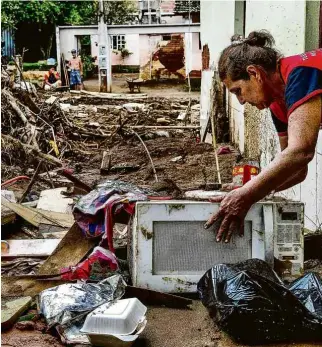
<point>169,250</point>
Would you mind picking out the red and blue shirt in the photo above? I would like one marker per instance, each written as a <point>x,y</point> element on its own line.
<point>302,75</point>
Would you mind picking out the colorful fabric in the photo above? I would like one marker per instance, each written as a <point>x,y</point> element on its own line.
<point>100,264</point>
<point>75,78</point>
<point>302,75</point>
<point>95,212</point>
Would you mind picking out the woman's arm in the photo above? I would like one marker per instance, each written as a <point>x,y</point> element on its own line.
<point>303,130</point>
<point>298,177</point>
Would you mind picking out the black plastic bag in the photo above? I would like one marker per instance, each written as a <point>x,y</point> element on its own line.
<point>249,302</point>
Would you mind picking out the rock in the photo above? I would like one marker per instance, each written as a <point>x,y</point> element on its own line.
<point>25,325</point>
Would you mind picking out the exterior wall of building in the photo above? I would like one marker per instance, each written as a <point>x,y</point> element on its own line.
<point>252,130</point>
<point>217,22</point>
<point>132,44</point>
<point>158,55</point>
<point>287,22</point>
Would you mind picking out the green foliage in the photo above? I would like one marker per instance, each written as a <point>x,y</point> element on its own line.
<point>120,12</point>
<point>36,66</point>
<point>88,66</point>
<point>53,12</point>
<point>58,12</point>
<point>125,53</point>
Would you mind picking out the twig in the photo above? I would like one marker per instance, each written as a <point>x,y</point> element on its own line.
<point>148,153</point>
<point>31,183</point>
<point>48,174</point>
<point>49,158</point>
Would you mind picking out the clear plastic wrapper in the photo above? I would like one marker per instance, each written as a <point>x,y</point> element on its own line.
<point>250,303</point>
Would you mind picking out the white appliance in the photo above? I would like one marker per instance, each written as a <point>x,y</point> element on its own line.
<point>169,249</point>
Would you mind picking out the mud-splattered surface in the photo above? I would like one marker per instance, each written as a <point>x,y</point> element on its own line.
<point>17,338</point>
<point>166,328</point>
<point>196,166</point>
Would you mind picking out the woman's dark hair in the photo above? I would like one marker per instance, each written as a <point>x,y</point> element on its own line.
<point>256,49</point>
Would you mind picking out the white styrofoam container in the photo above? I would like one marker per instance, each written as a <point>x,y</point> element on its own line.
<point>103,340</point>
<point>119,318</point>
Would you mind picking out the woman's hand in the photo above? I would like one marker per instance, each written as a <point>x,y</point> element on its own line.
<point>232,212</point>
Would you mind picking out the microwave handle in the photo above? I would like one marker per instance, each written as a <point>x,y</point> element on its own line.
<point>269,235</point>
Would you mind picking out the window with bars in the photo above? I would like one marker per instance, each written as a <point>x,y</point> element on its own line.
<point>118,42</point>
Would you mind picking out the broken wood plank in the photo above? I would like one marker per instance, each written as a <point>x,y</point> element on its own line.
<point>30,248</point>
<point>32,182</point>
<point>75,180</point>
<point>55,234</point>
<point>36,216</point>
<point>53,200</point>
<point>70,251</point>
<point>113,95</point>
<point>106,162</point>
<point>11,310</point>
<point>7,215</point>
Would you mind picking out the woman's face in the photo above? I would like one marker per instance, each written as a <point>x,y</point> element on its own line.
<point>255,90</point>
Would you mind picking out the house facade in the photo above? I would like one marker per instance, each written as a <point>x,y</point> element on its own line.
<point>296,27</point>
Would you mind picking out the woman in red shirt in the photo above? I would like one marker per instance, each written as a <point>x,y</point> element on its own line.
<point>291,87</point>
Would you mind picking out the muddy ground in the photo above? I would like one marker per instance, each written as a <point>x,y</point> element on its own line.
<point>166,328</point>
<point>195,168</point>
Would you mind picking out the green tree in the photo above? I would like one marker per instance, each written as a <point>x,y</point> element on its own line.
<point>120,12</point>
<point>41,16</point>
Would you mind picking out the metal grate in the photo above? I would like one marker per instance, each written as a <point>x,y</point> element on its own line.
<point>186,248</point>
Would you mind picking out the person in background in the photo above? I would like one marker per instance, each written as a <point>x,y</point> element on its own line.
<point>291,87</point>
<point>52,79</point>
<point>76,71</point>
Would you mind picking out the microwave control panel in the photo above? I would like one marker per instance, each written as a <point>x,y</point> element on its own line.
<point>288,239</point>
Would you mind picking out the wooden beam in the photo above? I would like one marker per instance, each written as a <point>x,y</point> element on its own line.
<point>30,248</point>
<point>70,251</point>
<point>36,216</point>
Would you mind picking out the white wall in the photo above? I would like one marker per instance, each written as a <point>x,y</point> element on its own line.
<point>192,52</point>
<point>252,130</point>
<point>68,39</point>
<point>133,45</point>
<point>286,20</point>
<point>217,19</point>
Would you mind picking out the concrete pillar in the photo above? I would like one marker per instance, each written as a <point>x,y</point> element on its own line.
<point>104,57</point>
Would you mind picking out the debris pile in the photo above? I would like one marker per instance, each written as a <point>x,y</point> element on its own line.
<point>78,130</point>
